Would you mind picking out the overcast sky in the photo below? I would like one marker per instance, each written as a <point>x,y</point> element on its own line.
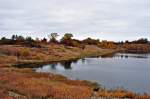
<point>104,19</point>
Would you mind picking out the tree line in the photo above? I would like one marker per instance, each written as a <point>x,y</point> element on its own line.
<point>67,40</point>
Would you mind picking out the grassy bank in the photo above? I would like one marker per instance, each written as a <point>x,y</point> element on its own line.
<point>10,54</point>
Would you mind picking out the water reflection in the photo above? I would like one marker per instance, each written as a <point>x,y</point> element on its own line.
<point>53,66</point>
<point>107,56</point>
<point>120,69</point>
<point>67,64</point>
<point>83,60</point>
<point>127,55</point>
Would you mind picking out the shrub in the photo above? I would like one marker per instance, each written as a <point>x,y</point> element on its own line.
<point>91,41</point>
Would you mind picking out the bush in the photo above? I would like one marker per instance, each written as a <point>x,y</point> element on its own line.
<point>107,44</point>
<point>91,41</point>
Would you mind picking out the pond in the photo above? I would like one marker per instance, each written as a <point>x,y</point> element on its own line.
<point>130,71</point>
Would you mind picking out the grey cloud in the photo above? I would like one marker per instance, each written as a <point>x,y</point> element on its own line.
<point>107,19</point>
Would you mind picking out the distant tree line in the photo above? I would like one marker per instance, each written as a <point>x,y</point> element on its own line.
<point>67,40</point>
<point>139,41</point>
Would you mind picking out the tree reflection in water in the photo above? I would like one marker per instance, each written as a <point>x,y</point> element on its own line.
<point>53,66</point>
<point>66,64</point>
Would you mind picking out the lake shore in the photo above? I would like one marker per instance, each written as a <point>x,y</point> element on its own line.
<point>26,84</point>
<point>14,54</point>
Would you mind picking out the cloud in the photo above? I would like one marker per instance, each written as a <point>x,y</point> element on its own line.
<point>106,19</point>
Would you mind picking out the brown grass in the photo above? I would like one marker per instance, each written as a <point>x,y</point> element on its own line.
<point>49,53</point>
<point>32,84</point>
<point>25,83</point>
<point>3,95</point>
<point>116,94</point>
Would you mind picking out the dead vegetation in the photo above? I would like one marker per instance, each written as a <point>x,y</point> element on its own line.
<point>137,48</point>
<point>26,84</point>
<point>48,53</point>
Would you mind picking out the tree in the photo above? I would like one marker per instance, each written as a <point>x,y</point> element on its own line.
<point>29,39</point>
<point>67,36</point>
<point>5,40</point>
<point>44,40</point>
<point>127,42</point>
<point>13,37</point>
<point>20,39</point>
<point>53,37</point>
<point>67,39</point>
<point>142,41</point>
<point>91,41</point>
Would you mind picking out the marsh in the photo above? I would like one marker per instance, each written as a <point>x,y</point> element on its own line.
<point>123,70</point>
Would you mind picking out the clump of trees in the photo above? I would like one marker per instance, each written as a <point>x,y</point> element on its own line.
<point>4,40</point>
<point>107,44</point>
<point>68,40</point>
<point>141,41</point>
<point>91,41</point>
<point>15,39</point>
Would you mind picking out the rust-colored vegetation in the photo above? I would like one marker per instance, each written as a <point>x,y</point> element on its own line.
<point>137,48</point>
<point>26,84</point>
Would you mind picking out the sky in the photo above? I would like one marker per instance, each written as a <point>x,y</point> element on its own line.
<point>101,19</point>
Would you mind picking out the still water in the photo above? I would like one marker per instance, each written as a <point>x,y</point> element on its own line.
<point>130,71</point>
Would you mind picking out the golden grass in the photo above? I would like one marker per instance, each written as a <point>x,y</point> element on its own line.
<point>48,53</point>
<point>43,85</point>
<point>116,94</point>
<point>28,84</point>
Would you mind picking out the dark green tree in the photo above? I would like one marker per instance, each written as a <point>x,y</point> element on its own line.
<point>67,36</point>
<point>67,39</point>
<point>29,39</point>
<point>53,37</point>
